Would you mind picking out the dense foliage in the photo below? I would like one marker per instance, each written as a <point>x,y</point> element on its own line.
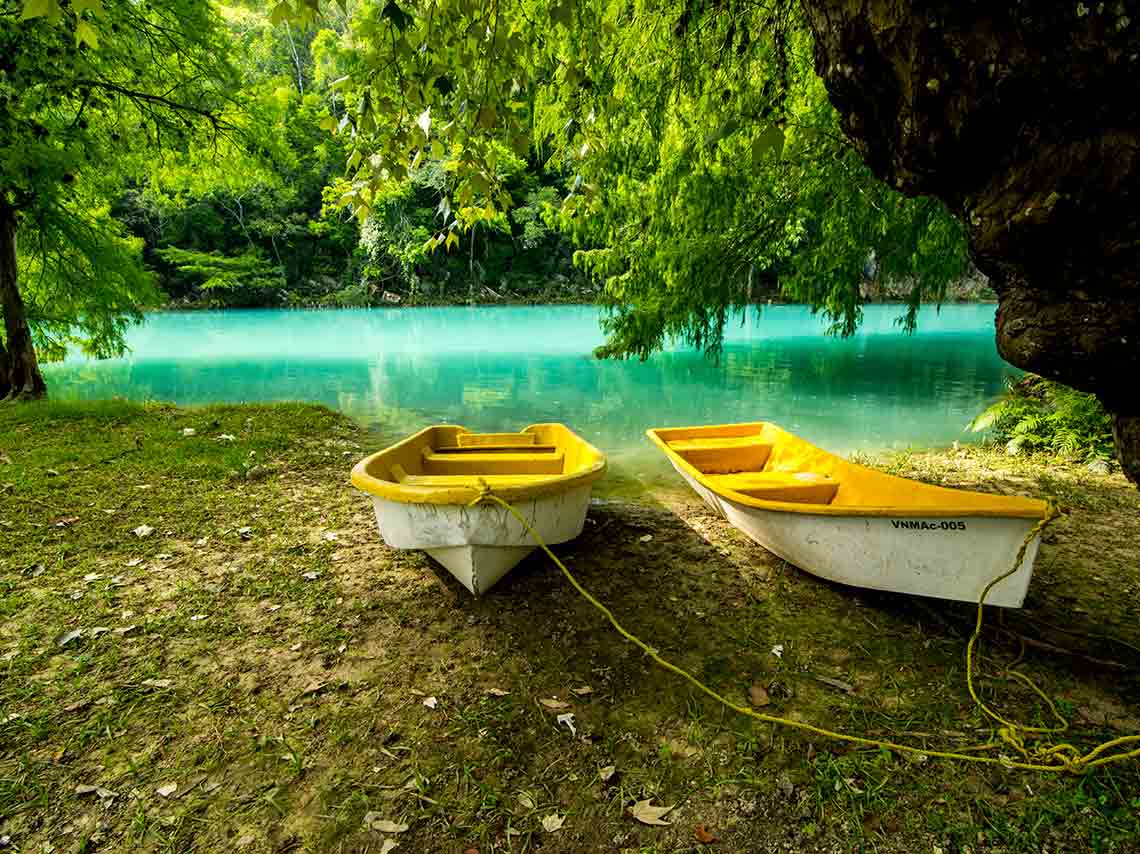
<point>235,227</point>
<point>707,167</point>
<point>1037,414</point>
<point>82,107</point>
<point>684,161</point>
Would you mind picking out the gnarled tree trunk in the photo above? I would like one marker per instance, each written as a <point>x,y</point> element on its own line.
<point>20,377</point>
<point>1024,118</point>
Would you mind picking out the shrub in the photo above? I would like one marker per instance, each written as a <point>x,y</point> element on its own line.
<point>1036,414</point>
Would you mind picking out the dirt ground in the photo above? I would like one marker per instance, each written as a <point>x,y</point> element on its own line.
<point>205,646</point>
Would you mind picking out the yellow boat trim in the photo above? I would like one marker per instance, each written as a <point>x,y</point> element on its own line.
<point>758,464</point>
<point>448,464</point>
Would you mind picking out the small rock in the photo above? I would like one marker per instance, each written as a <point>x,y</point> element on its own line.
<point>1100,467</point>
<point>758,695</point>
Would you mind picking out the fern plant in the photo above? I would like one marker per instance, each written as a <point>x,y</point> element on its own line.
<point>1036,414</point>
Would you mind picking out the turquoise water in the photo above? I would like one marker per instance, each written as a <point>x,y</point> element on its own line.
<point>505,367</point>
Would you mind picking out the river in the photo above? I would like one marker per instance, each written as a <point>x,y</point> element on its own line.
<point>496,368</point>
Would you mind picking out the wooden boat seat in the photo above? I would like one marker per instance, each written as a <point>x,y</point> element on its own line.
<point>498,449</point>
<point>468,480</point>
<point>514,461</point>
<point>468,440</point>
<point>801,487</point>
<point>723,454</point>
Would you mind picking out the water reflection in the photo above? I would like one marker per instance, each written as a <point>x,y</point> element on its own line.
<point>496,368</point>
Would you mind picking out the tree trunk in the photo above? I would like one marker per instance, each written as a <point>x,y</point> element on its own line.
<point>1024,118</point>
<point>20,377</point>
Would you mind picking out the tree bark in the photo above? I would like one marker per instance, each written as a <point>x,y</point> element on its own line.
<point>1024,118</point>
<point>20,377</point>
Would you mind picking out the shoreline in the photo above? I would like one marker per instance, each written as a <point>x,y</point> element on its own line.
<point>197,609</point>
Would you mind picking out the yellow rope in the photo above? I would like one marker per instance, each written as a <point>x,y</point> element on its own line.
<point>1061,757</point>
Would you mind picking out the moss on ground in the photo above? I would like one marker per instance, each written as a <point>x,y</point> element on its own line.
<point>254,664</point>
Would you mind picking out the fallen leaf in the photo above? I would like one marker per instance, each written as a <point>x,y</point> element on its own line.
<point>388,846</point>
<point>227,437</point>
<point>35,571</point>
<point>272,609</point>
<point>92,576</point>
<point>758,694</point>
<point>143,531</point>
<point>845,687</point>
<point>554,704</point>
<point>66,520</point>
<point>245,533</point>
<point>197,618</point>
<point>99,630</point>
<point>51,472</point>
<point>201,541</point>
<point>210,786</point>
<point>167,790</point>
<point>568,719</point>
<point>158,683</point>
<point>245,841</point>
<point>553,822</point>
<point>606,774</point>
<point>135,561</point>
<point>526,800</point>
<point>310,576</point>
<point>374,822</point>
<point>315,687</point>
<point>704,835</point>
<point>188,431</point>
<point>645,538</point>
<point>582,690</point>
<point>68,637</point>
<point>331,536</point>
<point>431,702</point>
<point>5,459</point>
<point>123,631</point>
<point>105,794</point>
<point>778,650</point>
<point>646,813</point>
<point>496,692</point>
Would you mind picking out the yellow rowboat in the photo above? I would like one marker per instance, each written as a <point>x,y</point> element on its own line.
<point>854,525</point>
<point>424,490</point>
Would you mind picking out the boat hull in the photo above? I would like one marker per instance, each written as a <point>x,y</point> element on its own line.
<point>945,557</point>
<point>480,543</point>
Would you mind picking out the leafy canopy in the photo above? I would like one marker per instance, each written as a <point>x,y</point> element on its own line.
<point>84,108</point>
<point>707,166</point>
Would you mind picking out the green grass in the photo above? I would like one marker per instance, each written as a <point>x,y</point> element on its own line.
<point>295,707</point>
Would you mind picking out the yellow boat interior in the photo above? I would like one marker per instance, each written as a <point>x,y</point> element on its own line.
<point>448,464</point>
<point>761,465</point>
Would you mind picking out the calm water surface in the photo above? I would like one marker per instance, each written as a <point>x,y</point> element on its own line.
<point>504,367</point>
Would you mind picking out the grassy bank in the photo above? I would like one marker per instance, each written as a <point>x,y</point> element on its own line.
<point>205,646</point>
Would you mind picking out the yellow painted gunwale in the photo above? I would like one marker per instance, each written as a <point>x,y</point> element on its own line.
<point>584,465</point>
<point>862,491</point>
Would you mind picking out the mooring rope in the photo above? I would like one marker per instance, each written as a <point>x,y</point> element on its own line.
<point>1043,757</point>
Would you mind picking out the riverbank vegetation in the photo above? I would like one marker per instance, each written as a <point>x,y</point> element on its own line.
<point>182,669</point>
<point>260,168</point>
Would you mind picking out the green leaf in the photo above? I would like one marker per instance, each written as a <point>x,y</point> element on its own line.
<point>339,83</point>
<point>40,9</point>
<point>328,123</point>
<point>86,34</point>
<point>281,13</point>
<point>486,117</point>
